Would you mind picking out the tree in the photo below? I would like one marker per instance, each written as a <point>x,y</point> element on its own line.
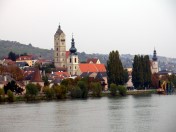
<point>141,74</point>
<point>1,95</point>
<point>76,92</point>
<point>45,79</point>
<point>60,91</point>
<point>115,69</point>
<point>122,90</point>
<point>49,92</point>
<point>113,89</point>
<point>12,56</point>
<point>96,89</point>
<point>10,95</point>
<point>31,91</point>
<point>13,87</point>
<point>82,85</point>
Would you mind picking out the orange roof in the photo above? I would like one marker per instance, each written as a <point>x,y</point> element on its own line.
<point>62,74</point>
<point>92,67</point>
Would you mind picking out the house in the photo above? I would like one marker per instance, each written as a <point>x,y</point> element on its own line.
<point>28,59</point>
<point>96,71</point>
<point>93,60</point>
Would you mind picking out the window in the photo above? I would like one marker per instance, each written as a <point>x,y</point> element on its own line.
<point>57,54</point>
<point>75,60</point>
<point>70,60</point>
<point>75,67</point>
<point>62,54</point>
<point>64,66</point>
<point>57,49</point>
<point>70,67</point>
<point>63,59</point>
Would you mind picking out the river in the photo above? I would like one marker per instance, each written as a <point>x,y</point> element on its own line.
<point>152,113</point>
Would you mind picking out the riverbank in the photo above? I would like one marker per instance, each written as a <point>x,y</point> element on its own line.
<point>40,97</point>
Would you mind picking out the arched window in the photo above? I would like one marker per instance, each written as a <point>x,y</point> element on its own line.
<point>75,60</point>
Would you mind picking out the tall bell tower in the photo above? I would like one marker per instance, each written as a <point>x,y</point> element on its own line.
<point>72,60</point>
<point>154,63</point>
<point>59,48</point>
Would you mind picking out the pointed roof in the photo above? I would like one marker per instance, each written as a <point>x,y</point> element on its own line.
<point>59,31</point>
<point>92,60</point>
<point>154,55</point>
<point>36,76</point>
<point>73,50</point>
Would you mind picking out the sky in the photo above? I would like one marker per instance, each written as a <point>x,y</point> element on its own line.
<point>98,26</point>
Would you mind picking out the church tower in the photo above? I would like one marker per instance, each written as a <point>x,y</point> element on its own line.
<point>59,48</point>
<point>154,63</point>
<point>72,60</point>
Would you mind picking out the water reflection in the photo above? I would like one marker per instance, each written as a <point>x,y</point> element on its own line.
<point>127,114</point>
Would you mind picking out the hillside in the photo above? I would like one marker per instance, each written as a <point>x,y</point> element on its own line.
<point>18,48</point>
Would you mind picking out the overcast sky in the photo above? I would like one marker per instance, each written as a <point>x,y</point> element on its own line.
<point>99,26</point>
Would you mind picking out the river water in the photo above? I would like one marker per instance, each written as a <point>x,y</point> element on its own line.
<point>152,113</point>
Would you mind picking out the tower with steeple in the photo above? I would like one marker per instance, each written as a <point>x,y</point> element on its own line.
<point>154,63</point>
<point>60,49</point>
<point>72,60</point>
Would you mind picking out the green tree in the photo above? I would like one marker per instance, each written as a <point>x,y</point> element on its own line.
<point>96,89</point>
<point>141,74</point>
<point>31,91</point>
<point>115,69</point>
<point>113,89</point>
<point>76,92</point>
<point>12,56</point>
<point>1,95</point>
<point>60,91</point>
<point>11,97</point>
<point>82,85</point>
<point>122,90</point>
<point>45,79</point>
<point>49,92</point>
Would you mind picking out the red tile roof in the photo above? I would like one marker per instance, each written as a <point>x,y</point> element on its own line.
<point>36,76</point>
<point>92,67</point>
<point>66,74</point>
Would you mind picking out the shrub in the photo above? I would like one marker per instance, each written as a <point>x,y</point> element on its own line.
<point>1,95</point>
<point>31,91</point>
<point>96,89</point>
<point>122,90</point>
<point>82,85</point>
<point>10,95</point>
<point>60,91</point>
<point>49,92</point>
<point>76,92</point>
<point>113,89</point>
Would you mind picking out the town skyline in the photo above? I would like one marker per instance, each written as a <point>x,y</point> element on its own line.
<point>98,26</point>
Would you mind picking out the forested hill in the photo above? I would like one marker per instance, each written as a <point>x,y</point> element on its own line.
<point>18,48</point>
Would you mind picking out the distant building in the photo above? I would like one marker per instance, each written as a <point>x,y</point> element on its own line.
<point>93,60</point>
<point>154,63</point>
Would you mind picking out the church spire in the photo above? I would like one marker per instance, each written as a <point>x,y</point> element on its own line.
<point>73,50</point>
<point>154,55</point>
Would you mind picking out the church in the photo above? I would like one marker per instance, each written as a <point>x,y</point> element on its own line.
<point>63,58</point>
<point>154,63</point>
<point>69,61</point>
